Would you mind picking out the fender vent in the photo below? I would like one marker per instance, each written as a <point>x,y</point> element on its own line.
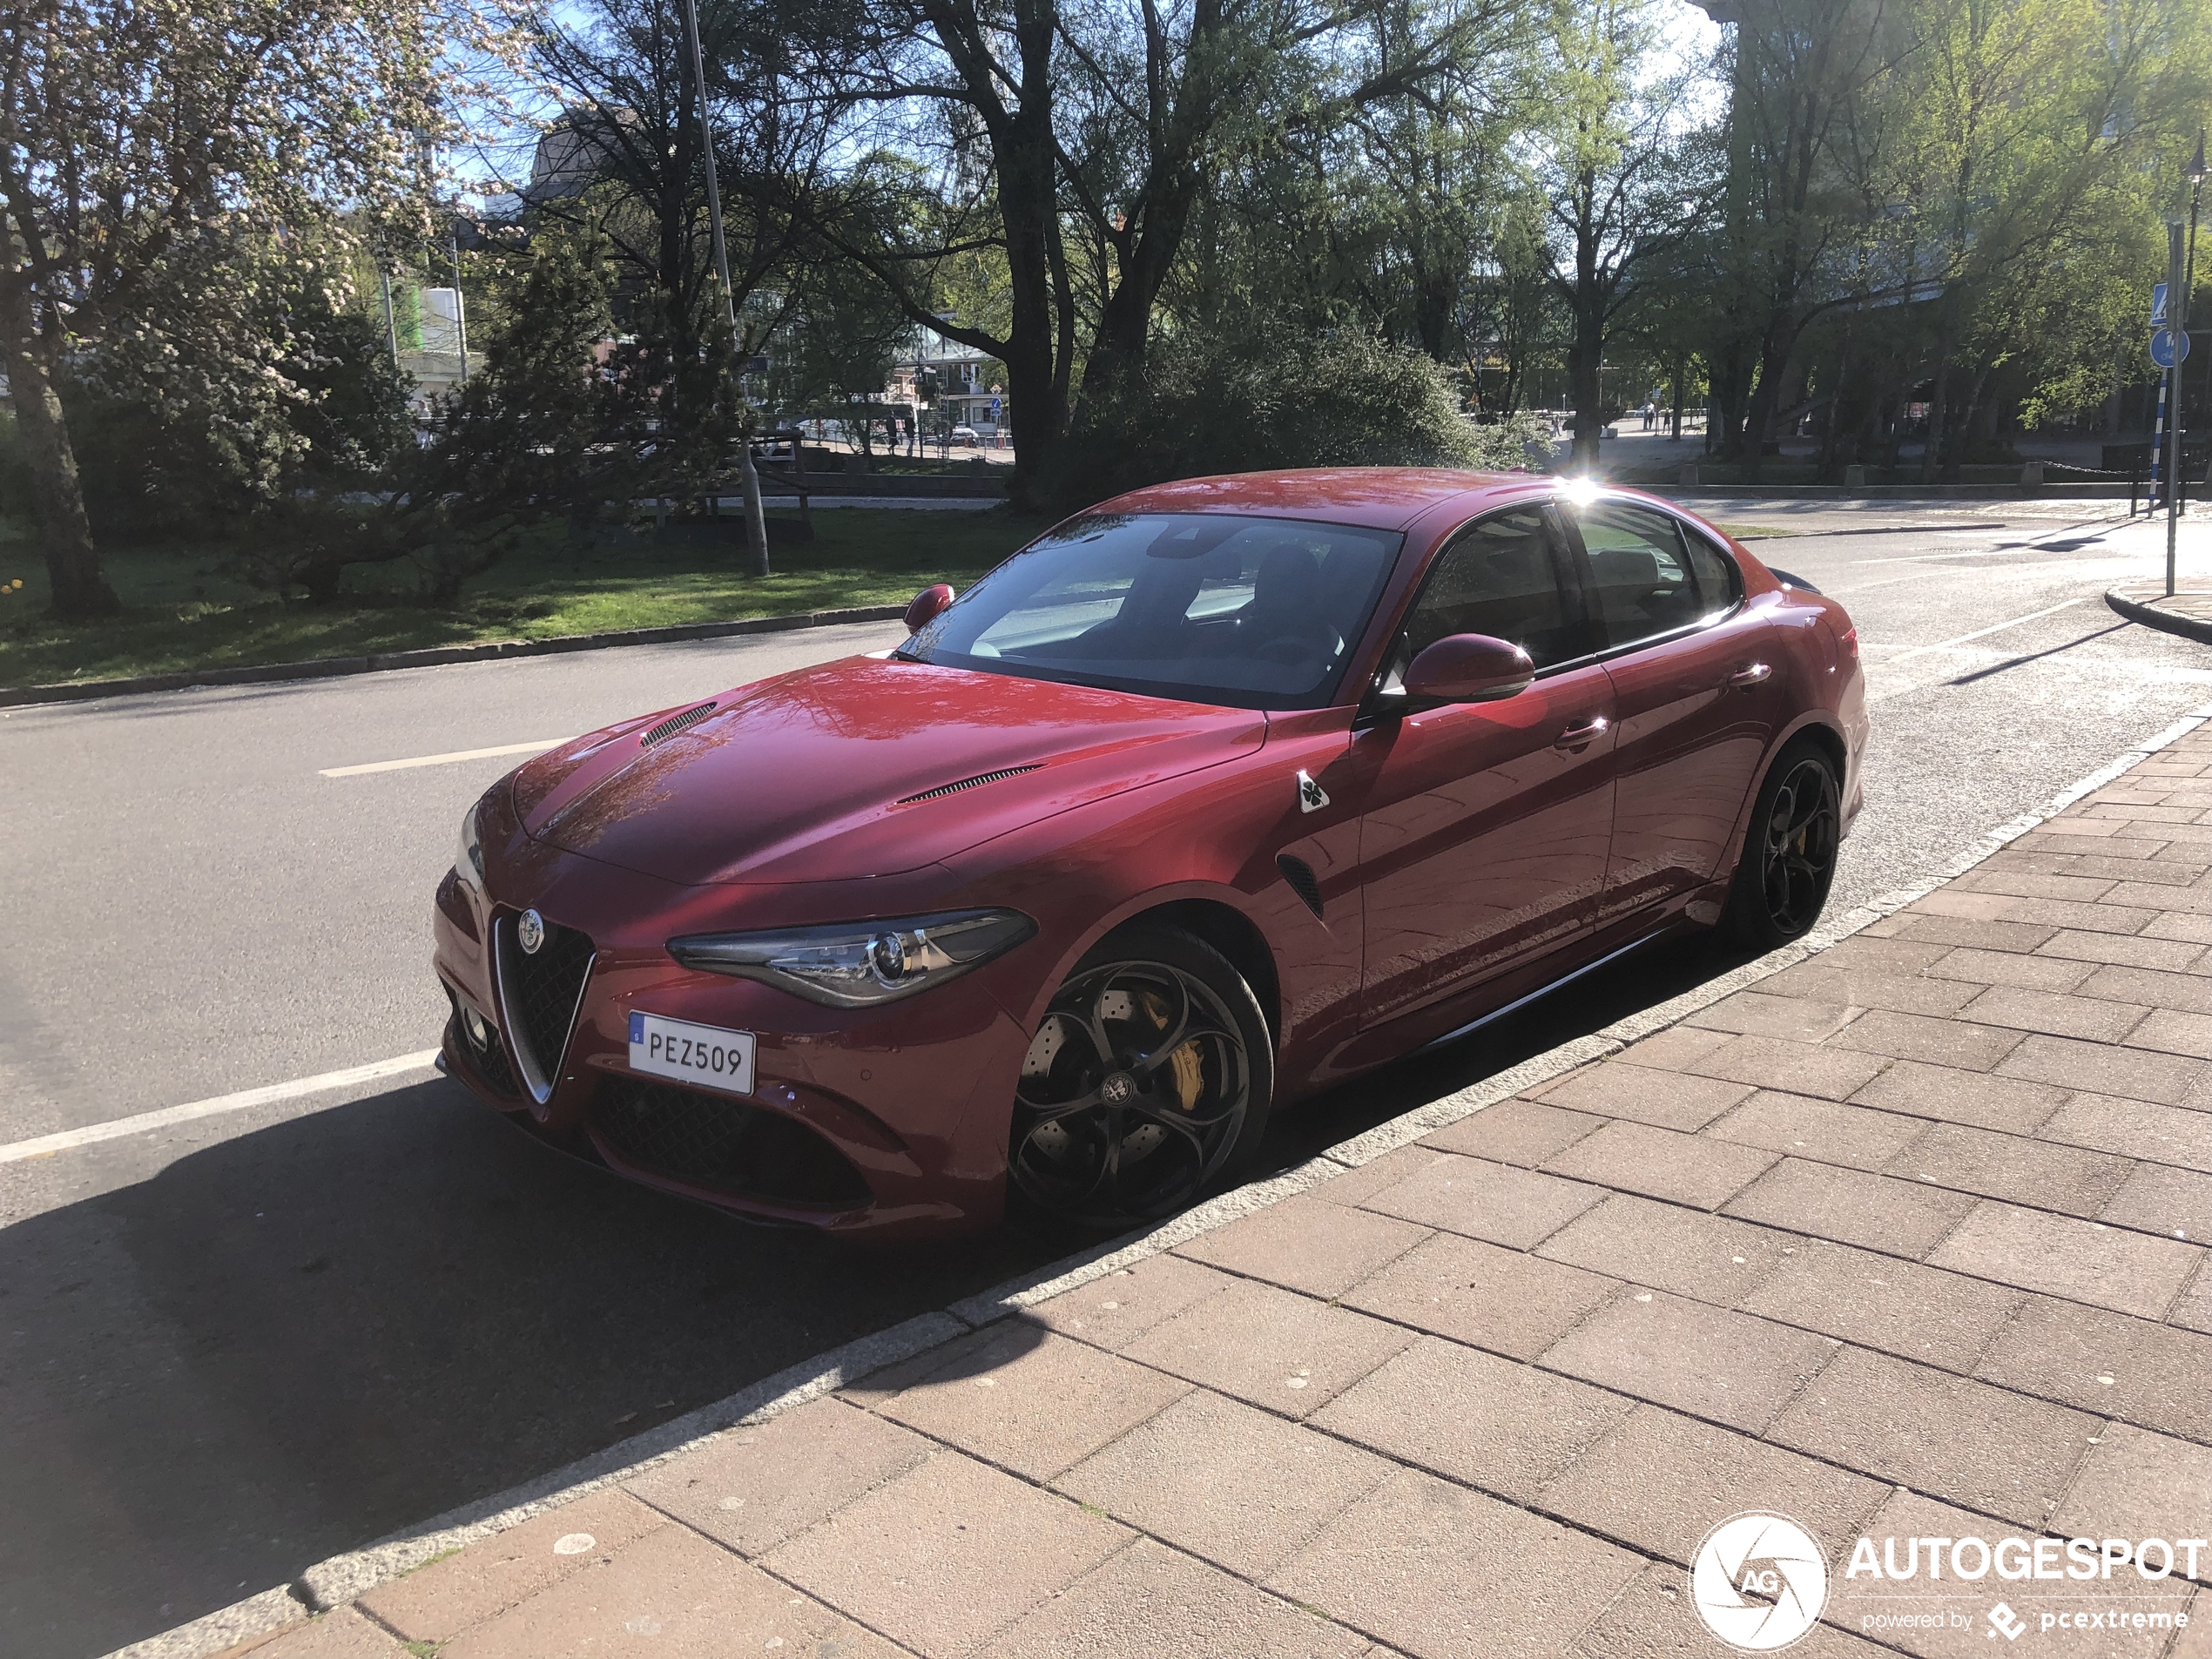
<point>969,783</point>
<point>1302,882</point>
<point>674,724</point>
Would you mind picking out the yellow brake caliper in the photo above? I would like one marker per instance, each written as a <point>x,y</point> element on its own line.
<point>1187,1064</point>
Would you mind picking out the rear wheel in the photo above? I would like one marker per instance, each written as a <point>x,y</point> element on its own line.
<point>1788,861</point>
<point>1149,1075</point>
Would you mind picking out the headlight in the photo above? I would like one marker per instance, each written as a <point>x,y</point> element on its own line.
<point>859,964</point>
<point>469,858</point>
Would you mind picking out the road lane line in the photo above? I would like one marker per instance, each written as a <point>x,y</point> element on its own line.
<point>68,1139</point>
<point>536,745</point>
<point>1980,633</point>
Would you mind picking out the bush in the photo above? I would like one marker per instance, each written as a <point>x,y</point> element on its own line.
<point>1347,399</point>
<point>242,379</point>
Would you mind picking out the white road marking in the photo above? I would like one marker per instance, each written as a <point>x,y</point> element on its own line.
<point>68,1139</point>
<point>1981,633</point>
<point>536,745</point>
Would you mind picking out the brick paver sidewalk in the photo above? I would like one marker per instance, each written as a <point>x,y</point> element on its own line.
<point>1903,1242</point>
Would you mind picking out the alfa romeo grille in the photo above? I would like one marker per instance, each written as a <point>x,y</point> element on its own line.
<point>674,724</point>
<point>539,992</point>
<point>725,1144</point>
<point>969,783</point>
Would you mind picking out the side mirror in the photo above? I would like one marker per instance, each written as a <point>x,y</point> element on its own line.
<point>1469,668</point>
<point>927,606</point>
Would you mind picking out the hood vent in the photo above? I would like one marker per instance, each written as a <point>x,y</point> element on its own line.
<point>970,783</point>
<point>674,724</point>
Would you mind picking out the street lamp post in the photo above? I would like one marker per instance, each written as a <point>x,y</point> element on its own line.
<point>2181,273</point>
<point>756,520</point>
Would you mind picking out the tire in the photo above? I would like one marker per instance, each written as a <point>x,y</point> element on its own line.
<point>1149,1076</point>
<point>1789,859</point>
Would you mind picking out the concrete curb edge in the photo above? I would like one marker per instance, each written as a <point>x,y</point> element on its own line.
<point>2165,621</point>
<point>327,1583</point>
<point>433,656</point>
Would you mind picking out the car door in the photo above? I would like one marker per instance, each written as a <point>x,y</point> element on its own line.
<point>1487,824</point>
<point>1695,692</point>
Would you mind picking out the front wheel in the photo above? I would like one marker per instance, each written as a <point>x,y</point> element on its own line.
<point>1149,1075</point>
<point>1788,861</point>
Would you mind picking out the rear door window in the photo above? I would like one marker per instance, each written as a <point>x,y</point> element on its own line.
<point>1645,580</point>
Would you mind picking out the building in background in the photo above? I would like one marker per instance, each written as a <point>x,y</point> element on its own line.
<point>959,387</point>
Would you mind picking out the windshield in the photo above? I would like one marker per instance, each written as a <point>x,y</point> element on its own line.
<point>1256,613</point>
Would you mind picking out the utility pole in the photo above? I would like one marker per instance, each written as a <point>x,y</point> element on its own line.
<point>755,519</point>
<point>2180,270</point>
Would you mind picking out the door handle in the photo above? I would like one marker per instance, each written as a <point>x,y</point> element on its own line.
<point>1752,675</point>
<point>1583,734</point>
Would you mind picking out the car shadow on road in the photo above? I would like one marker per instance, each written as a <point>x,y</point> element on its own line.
<point>303,1338</point>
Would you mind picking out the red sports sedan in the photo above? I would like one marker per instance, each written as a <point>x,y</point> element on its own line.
<point>1209,798</point>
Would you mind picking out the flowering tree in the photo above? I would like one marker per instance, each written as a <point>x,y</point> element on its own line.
<point>137,137</point>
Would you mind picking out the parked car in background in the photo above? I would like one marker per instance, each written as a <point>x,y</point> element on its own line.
<point>964,436</point>
<point>1212,797</point>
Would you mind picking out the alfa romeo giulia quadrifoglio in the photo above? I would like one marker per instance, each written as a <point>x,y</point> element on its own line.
<point>1210,798</point>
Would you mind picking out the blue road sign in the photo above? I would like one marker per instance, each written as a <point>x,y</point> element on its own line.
<point>2168,347</point>
<point>2158,304</point>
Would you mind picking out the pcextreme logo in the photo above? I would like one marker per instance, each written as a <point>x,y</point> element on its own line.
<point>1758,1582</point>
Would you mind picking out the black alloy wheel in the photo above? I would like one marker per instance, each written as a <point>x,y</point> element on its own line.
<point>1149,1076</point>
<point>1789,850</point>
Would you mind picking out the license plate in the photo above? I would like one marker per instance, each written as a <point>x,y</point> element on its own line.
<point>704,1054</point>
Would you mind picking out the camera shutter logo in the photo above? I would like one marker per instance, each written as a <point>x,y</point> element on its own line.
<point>1759,1581</point>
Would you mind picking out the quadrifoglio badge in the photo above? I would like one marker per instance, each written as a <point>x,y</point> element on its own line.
<point>1760,1582</point>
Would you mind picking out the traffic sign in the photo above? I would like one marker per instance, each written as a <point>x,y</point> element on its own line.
<point>2158,304</point>
<point>2168,347</point>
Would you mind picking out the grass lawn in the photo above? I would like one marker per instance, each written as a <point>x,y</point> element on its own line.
<point>181,613</point>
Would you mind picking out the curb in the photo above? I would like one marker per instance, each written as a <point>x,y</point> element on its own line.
<point>2057,491</point>
<point>2165,621</point>
<point>328,1583</point>
<point>430,656</point>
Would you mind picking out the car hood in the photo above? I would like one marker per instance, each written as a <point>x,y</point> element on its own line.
<point>864,767</point>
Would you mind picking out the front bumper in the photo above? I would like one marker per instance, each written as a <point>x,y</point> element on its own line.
<point>888,1122</point>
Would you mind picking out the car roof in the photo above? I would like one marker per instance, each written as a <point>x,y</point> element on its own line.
<point>1380,498</point>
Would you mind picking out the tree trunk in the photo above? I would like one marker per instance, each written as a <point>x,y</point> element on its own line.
<point>1586,352</point>
<point>1780,341</point>
<point>81,592</point>
<point>1832,436</point>
<point>1036,399</point>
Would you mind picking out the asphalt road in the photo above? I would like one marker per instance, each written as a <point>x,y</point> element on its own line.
<point>232,1347</point>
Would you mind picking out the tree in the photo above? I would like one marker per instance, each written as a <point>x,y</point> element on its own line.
<point>1623,177</point>
<point>131,130</point>
<point>2033,127</point>
<point>1805,136</point>
<point>1077,136</point>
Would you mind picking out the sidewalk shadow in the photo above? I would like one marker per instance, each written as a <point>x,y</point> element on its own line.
<point>1636,982</point>
<point>298,1340</point>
